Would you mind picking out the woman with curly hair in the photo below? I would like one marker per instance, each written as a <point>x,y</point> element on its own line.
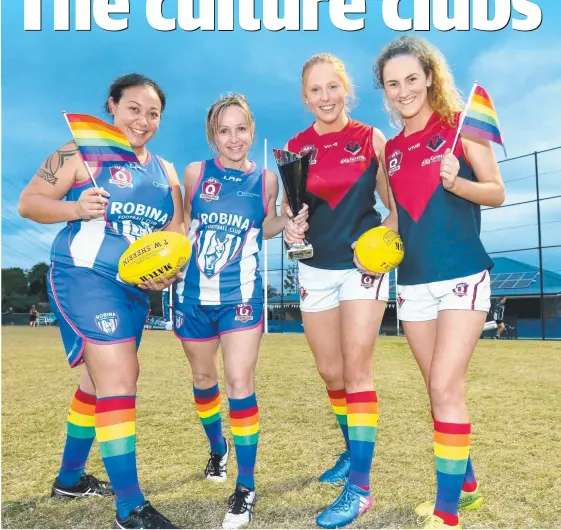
<point>443,294</point>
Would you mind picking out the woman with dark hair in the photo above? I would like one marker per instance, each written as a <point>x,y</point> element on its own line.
<point>102,318</point>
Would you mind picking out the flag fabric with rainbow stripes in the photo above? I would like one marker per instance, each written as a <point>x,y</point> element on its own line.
<point>100,142</point>
<point>480,119</point>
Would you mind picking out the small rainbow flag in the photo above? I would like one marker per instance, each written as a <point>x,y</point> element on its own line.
<point>98,141</point>
<point>480,117</point>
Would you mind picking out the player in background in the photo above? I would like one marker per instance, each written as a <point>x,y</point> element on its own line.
<point>33,317</point>
<point>499,316</point>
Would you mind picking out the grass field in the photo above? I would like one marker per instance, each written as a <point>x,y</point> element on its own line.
<point>514,397</point>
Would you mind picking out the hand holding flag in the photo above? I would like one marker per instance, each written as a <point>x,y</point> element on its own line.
<point>479,118</point>
<point>449,169</point>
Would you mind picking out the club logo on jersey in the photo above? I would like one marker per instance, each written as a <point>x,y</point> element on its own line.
<point>244,313</point>
<point>353,148</point>
<point>217,251</point>
<point>107,322</point>
<point>303,293</point>
<point>179,319</point>
<point>120,177</point>
<point>436,142</point>
<point>219,238</point>
<point>310,149</point>
<point>394,162</point>
<point>367,281</point>
<point>211,189</point>
<point>460,289</point>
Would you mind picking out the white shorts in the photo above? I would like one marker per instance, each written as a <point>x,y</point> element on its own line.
<point>417,303</point>
<point>323,289</point>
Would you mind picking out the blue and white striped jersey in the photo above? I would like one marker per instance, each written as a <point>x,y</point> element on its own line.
<point>140,203</point>
<point>228,209</point>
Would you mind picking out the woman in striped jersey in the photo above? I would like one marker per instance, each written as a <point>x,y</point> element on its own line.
<point>101,318</point>
<point>230,206</point>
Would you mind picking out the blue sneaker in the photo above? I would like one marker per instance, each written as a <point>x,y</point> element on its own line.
<point>338,474</point>
<point>352,502</point>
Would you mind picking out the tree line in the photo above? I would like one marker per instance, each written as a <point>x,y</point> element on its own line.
<point>23,288</point>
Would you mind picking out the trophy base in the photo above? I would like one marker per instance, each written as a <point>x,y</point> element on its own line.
<point>302,251</point>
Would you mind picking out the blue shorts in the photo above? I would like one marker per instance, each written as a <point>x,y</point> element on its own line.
<point>93,308</point>
<point>207,322</point>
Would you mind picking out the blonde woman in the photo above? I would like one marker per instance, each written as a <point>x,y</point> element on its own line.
<point>342,304</point>
<point>230,206</point>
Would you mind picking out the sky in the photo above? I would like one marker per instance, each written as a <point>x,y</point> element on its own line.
<point>46,72</point>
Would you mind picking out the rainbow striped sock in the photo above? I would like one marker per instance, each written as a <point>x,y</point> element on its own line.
<point>115,427</point>
<point>338,400</point>
<point>207,401</point>
<point>451,450</point>
<point>244,420</point>
<point>470,483</point>
<point>80,434</point>
<point>362,417</point>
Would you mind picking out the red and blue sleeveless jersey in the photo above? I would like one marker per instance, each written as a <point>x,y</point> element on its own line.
<point>140,203</point>
<point>342,180</point>
<point>440,230</point>
<point>228,208</point>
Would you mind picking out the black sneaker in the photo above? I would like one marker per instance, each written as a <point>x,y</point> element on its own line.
<point>240,508</point>
<point>216,469</point>
<point>144,516</point>
<point>87,486</point>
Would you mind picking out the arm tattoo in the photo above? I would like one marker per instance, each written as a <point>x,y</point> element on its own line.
<point>53,163</point>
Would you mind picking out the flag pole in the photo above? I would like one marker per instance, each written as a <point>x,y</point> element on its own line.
<point>170,305</point>
<point>463,116</point>
<point>396,302</point>
<point>266,252</point>
<point>84,162</point>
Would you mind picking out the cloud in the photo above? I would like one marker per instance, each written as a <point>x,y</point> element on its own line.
<point>525,84</point>
<point>509,70</point>
<point>24,242</point>
<point>532,122</point>
<point>25,248</point>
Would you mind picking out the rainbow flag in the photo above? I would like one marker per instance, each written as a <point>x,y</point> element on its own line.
<point>480,119</point>
<point>98,141</point>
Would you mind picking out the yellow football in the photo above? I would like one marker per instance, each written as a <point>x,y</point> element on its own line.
<point>379,249</point>
<point>154,256</point>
